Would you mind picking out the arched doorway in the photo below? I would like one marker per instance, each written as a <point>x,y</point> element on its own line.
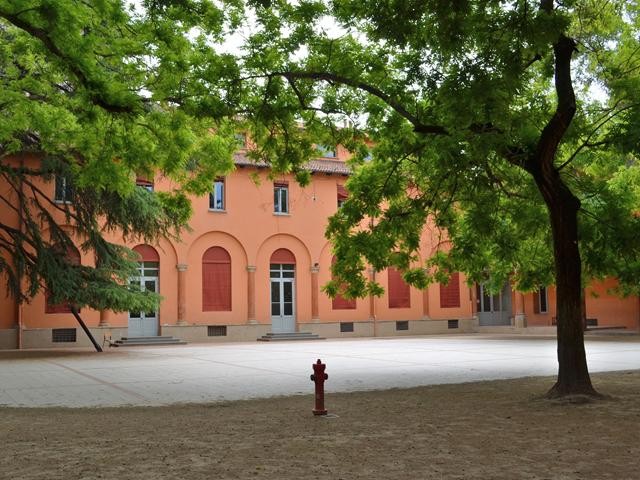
<point>282,276</point>
<point>145,324</point>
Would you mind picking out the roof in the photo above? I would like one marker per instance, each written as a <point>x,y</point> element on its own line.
<point>318,165</point>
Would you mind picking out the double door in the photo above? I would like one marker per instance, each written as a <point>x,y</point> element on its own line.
<point>145,324</point>
<point>494,309</point>
<point>282,278</point>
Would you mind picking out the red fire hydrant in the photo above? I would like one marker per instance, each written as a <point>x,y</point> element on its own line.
<point>319,377</point>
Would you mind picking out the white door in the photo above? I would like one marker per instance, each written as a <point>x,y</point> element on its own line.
<point>145,324</point>
<point>282,298</point>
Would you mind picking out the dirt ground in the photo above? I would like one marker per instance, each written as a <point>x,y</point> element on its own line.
<point>487,430</point>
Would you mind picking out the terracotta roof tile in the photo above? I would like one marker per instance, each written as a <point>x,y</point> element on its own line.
<point>315,166</point>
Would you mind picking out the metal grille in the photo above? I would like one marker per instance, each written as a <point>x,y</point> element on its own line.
<point>346,326</point>
<point>402,325</point>
<point>592,322</point>
<point>63,335</point>
<point>452,323</point>
<point>217,330</point>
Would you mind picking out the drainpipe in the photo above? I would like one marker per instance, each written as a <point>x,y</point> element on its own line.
<point>19,267</point>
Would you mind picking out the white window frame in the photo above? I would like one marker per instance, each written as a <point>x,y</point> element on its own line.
<point>67,190</point>
<point>280,205</point>
<point>216,196</point>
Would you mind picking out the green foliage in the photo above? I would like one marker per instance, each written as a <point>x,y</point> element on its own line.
<point>101,94</point>
<point>455,96</point>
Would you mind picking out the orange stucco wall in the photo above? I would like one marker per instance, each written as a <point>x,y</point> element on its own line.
<point>250,232</point>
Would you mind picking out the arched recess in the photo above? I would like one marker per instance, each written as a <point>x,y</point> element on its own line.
<point>147,253</point>
<point>216,280</point>
<point>341,303</point>
<point>72,255</point>
<point>284,256</point>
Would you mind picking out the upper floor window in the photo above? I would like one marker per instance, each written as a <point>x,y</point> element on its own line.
<point>281,198</point>
<point>326,151</point>
<point>241,140</point>
<point>216,197</point>
<point>64,190</point>
<point>342,195</point>
<point>541,301</point>
<point>143,183</point>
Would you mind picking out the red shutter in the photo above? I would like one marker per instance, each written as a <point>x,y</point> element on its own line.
<point>282,255</point>
<point>216,280</point>
<point>147,253</point>
<point>536,301</point>
<point>450,293</point>
<point>399,290</point>
<point>341,303</point>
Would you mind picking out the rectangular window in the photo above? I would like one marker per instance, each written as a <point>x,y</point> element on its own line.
<point>63,335</point>
<point>342,195</point>
<point>217,330</point>
<point>541,301</point>
<point>216,197</point>
<point>143,183</point>
<point>326,151</point>
<point>64,190</point>
<point>281,198</point>
<point>450,293</point>
<point>399,291</point>
<point>241,140</point>
<point>346,327</point>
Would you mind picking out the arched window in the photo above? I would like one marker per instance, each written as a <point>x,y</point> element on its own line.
<point>283,256</point>
<point>399,291</point>
<point>216,280</point>
<point>339,302</point>
<point>73,257</point>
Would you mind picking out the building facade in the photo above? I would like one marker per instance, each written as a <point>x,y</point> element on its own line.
<point>254,262</point>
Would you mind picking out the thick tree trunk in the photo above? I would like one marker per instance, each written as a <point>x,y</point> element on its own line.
<point>573,374</point>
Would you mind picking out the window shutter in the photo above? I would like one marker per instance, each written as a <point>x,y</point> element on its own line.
<point>399,290</point>
<point>536,301</point>
<point>450,293</point>
<point>216,280</point>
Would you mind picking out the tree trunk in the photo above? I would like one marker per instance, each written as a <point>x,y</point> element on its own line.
<point>563,206</point>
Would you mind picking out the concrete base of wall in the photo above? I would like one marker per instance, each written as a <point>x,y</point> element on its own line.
<point>518,331</point>
<point>8,339</point>
<point>42,337</point>
<point>198,333</point>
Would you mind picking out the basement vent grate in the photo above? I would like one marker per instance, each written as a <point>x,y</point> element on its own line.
<point>217,331</point>
<point>63,335</point>
<point>452,323</point>
<point>402,325</point>
<point>592,322</point>
<point>346,327</point>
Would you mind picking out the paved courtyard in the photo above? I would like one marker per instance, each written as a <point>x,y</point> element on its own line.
<point>234,371</point>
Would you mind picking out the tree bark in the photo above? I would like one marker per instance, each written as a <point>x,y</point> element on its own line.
<point>573,374</point>
<point>563,207</point>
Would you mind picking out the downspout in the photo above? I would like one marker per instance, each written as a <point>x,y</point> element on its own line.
<point>19,267</point>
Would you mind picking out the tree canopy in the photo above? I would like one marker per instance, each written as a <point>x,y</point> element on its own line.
<point>100,94</point>
<point>511,126</point>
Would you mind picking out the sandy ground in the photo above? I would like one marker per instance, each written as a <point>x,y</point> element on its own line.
<point>487,430</point>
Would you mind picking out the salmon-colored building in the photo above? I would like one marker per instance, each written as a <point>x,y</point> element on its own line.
<point>254,263</point>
